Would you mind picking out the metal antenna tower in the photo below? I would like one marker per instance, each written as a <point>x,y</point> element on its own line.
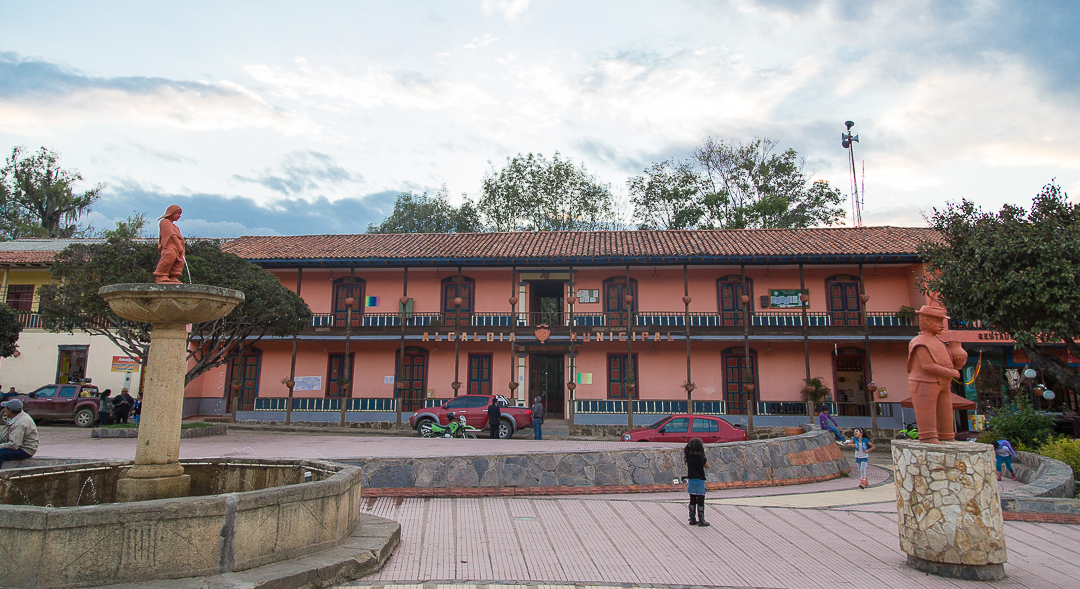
<point>848,141</point>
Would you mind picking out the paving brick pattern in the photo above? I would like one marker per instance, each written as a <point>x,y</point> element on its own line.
<point>648,543</point>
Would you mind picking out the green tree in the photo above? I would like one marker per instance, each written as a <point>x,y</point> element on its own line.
<point>37,196</point>
<point>130,228</point>
<point>71,301</point>
<point>420,213</point>
<point>664,198</point>
<point>9,331</point>
<point>1015,271</point>
<point>532,193</point>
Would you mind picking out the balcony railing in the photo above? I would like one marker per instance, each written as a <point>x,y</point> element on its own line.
<point>29,319</point>
<point>610,320</point>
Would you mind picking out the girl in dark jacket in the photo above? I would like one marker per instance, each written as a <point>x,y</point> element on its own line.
<point>696,465</point>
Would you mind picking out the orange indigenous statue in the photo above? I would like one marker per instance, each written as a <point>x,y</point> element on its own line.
<point>930,367</point>
<point>171,245</point>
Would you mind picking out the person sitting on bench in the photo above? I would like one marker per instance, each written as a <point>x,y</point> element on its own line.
<point>19,440</point>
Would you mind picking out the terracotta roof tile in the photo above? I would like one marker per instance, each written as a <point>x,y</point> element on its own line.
<point>861,241</point>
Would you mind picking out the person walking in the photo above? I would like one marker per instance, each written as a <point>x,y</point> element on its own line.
<point>696,465</point>
<point>494,417</point>
<point>122,405</point>
<point>538,418</point>
<point>105,408</point>
<point>863,446</point>
<point>19,439</point>
<point>1004,452</point>
<point>136,411</point>
<point>824,420</point>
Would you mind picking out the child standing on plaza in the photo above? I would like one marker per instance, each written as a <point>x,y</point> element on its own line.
<point>696,465</point>
<point>1005,453</point>
<point>863,446</point>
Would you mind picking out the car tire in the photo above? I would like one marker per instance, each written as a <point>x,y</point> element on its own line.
<point>85,417</point>
<point>506,429</point>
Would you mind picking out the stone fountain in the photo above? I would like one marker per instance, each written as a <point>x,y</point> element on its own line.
<point>157,473</point>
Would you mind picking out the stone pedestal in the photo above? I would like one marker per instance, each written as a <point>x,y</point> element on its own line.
<point>157,473</point>
<point>949,509</point>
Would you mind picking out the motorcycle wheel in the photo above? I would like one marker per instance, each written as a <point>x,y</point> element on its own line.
<point>469,436</point>
<point>425,431</point>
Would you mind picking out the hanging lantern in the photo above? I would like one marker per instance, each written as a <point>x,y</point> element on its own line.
<point>572,300</point>
<point>571,385</point>
<point>351,302</point>
<point>404,300</point>
<point>804,298</point>
<point>513,301</point>
<point>1048,395</point>
<point>864,297</point>
<point>458,301</point>
<point>513,385</point>
<point>455,385</point>
<point>689,386</point>
<point>629,299</point>
<point>744,299</point>
<point>687,299</point>
<point>290,383</point>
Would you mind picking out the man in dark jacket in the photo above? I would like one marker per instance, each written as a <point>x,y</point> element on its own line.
<point>122,405</point>
<point>494,417</point>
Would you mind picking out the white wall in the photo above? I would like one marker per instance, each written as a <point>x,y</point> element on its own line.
<point>39,355</point>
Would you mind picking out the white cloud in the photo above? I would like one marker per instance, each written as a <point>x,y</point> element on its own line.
<point>510,9</point>
<point>477,42</point>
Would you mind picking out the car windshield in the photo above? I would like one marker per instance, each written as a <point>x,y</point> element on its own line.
<point>659,423</point>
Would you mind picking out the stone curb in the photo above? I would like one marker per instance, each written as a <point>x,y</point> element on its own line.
<point>133,432</point>
<point>363,553</point>
<point>460,492</point>
<point>1042,518</point>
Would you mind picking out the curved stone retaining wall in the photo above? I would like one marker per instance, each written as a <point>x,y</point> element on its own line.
<point>805,458</point>
<point>1049,487</point>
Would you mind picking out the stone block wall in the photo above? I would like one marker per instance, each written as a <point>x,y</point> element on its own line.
<point>805,458</point>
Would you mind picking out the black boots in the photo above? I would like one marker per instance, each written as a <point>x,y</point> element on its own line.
<point>693,519</point>
<point>700,516</point>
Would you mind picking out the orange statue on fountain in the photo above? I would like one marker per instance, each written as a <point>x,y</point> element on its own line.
<point>931,365</point>
<point>171,246</point>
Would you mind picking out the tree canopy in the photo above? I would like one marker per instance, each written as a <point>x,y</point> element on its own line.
<point>1016,271</point>
<point>733,185</point>
<point>533,193</point>
<point>71,301</point>
<point>420,213</point>
<point>38,198</point>
<point>9,331</point>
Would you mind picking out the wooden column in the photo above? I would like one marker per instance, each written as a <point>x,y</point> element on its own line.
<point>399,382</point>
<point>631,383</point>
<point>346,364</point>
<point>805,335</point>
<point>571,383</point>
<point>292,365</point>
<point>689,385</point>
<point>866,346</point>
<point>457,323</point>
<point>513,323</point>
<point>748,375</point>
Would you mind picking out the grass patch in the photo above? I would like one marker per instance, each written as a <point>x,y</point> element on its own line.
<point>119,426</point>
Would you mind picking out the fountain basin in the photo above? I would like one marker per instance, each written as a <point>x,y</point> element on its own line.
<point>170,303</point>
<point>243,514</point>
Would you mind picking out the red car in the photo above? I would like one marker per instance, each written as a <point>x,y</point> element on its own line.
<point>681,428</point>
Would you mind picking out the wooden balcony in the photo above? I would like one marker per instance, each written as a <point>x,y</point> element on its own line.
<point>764,323</point>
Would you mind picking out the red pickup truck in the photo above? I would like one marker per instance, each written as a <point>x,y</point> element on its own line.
<point>75,401</point>
<point>474,408</point>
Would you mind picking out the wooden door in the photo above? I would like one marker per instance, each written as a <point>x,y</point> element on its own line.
<point>341,307</point>
<point>452,316</point>
<point>615,302</point>
<point>845,307</point>
<point>337,373</point>
<point>245,372</point>
<point>729,292</point>
<point>479,374</point>
<point>736,375</point>
<point>414,376</point>
<point>618,376</point>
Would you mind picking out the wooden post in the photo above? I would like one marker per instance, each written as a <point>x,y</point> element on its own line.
<point>630,385</point>
<point>347,365</point>
<point>457,323</point>
<point>686,328</point>
<point>292,365</point>
<point>399,389</point>
<point>866,346</point>
<point>805,337</point>
<point>513,323</point>
<point>572,382</point>
<point>748,375</point>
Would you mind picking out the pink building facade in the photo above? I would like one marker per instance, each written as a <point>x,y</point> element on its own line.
<point>745,316</point>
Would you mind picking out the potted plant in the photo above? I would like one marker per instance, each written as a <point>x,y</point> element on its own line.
<point>907,313</point>
<point>814,392</point>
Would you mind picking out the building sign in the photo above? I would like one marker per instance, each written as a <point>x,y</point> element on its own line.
<point>1019,357</point>
<point>588,295</point>
<point>371,301</point>
<point>125,364</point>
<point>785,299</point>
<point>308,383</point>
<point>584,378</point>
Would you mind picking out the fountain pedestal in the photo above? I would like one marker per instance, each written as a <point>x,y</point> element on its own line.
<point>157,473</point>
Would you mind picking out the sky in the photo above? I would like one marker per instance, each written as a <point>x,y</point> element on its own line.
<point>293,118</point>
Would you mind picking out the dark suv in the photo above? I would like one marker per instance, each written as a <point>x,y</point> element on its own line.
<point>68,401</point>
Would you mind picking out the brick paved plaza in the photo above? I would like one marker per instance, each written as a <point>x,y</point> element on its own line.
<point>826,535</point>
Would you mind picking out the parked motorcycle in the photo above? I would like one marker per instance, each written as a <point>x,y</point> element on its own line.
<point>457,428</point>
<point>910,431</point>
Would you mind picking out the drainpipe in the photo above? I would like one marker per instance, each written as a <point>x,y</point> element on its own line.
<point>399,386</point>
<point>292,365</point>
<point>866,339</point>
